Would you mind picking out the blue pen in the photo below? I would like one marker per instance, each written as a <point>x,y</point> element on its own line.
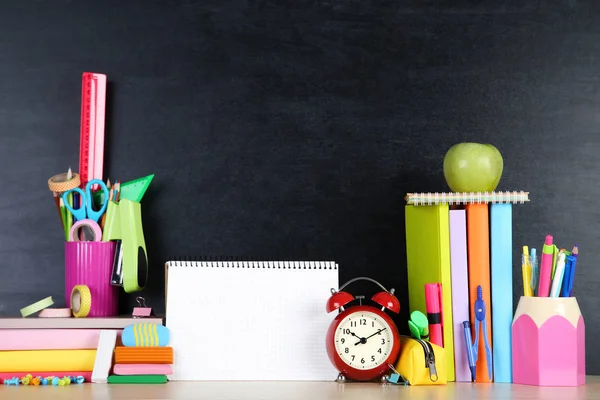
<point>566,286</point>
<point>575,253</point>
<point>470,355</point>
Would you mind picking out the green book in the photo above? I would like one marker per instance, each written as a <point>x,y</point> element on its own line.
<point>145,379</point>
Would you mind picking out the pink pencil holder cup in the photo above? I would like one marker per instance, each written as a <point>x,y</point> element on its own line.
<point>90,264</point>
<point>548,342</point>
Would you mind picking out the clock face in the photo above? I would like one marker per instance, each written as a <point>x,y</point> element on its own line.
<point>363,340</point>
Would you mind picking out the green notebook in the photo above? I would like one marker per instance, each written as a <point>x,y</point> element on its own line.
<point>145,379</point>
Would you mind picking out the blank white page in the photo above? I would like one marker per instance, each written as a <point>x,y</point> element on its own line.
<point>250,320</point>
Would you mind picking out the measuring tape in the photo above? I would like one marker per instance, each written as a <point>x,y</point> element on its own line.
<point>93,111</point>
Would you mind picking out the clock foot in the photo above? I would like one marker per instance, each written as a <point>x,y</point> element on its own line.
<point>341,378</point>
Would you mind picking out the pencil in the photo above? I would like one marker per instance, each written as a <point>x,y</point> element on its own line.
<point>57,202</point>
<point>64,212</point>
<point>69,215</point>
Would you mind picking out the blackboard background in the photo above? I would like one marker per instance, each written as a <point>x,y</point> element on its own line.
<point>293,131</point>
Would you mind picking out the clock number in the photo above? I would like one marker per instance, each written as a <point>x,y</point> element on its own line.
<point>372,358</point>
<point>363,321</point>
<point>382,341</point>
<point>347,331</point>
<point>353,358</point>
<point>362,360</point>
<point>346,350</point>
<point>379,351</point>
<point>353,324</point>
<point>373,324</point>
<point>343,340</point>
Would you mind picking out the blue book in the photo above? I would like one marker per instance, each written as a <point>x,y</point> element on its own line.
<point>502,289</point>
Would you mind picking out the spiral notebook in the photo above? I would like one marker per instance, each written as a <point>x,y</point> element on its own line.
<point>249,320</point>
<point>425,199</point>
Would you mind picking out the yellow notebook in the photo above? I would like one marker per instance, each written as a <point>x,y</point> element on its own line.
<point>428,261</point>
<point>47,360</point>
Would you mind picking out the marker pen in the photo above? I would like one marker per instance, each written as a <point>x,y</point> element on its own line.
<point>546,267</point>
<point>433,303</point>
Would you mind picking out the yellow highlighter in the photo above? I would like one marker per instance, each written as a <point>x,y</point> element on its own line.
<point>526,266</point>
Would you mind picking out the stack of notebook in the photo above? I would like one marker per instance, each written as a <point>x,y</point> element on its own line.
<point>53,346</point>
<point>144,356</point>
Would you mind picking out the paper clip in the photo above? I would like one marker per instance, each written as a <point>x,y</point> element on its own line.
<point>395,377</point>
<point>142,311</point>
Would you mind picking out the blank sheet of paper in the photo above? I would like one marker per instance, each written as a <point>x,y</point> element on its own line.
<point>249,320</point>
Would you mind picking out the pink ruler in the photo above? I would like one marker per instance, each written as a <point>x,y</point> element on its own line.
<point>93,112</point>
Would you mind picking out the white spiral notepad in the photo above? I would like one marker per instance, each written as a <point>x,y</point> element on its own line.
<point>250,320</point>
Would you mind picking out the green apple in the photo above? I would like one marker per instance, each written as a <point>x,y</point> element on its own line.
<point>473,167</point>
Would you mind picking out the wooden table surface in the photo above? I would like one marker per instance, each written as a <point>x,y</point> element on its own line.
<point>301,390</point>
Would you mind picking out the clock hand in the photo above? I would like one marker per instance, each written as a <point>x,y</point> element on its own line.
<point>364,340</point>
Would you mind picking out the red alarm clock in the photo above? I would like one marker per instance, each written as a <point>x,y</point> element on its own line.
<point>362,341</point>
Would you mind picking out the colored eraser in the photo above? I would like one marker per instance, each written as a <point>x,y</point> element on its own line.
<point>145,335</point>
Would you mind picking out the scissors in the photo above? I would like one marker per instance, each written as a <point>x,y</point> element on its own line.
<point>86,209</point>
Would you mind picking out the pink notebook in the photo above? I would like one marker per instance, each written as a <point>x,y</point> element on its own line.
<point>49,339</point>
<point>142,369</point>
<point>460,291</point>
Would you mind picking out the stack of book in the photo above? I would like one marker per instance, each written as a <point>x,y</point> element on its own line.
<point>55,347</point>
<point>464,242</point>
<point>144,356</point>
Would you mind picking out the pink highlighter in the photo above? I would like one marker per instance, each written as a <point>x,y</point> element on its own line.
<point>433,303</point>
<point>546,268</point>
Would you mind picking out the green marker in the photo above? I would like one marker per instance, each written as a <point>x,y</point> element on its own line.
<point>418,325</point>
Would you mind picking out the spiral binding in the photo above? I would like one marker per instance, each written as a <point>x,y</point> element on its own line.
<point>466,198</point>
<point>234,262</point>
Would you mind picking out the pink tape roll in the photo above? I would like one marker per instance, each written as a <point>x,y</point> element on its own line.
<point>55,313</point>
<point>91,224</point>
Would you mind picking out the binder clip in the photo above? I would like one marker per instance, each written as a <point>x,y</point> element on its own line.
<point>143,311</point>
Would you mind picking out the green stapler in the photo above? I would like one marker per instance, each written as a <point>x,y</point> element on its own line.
<point>124,225</point>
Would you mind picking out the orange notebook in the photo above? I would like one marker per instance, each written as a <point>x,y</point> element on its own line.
<point>478,249</point>
<point>143,355</point>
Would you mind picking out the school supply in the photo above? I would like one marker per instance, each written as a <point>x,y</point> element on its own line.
<point>546,267</point>
<point>55,313</point>
<point>142,369</point>
<point>93,110</point>
<point>104,355</point>
<point>573,269</point>
<point>418,325</point>
<point>61,183</point>
<point>526,271</point>
<point>85,214</point>
<point>501,245</point>
<point>130,263</point>
<point>37,306</point>
<point>135,379</point>
<point>428,199</point>
<point>480,325</point>
<point>41,378</point>
<point>49,339</point>
<point>478,242</point>
<point>535,272</point>
<point>144,334</point>
<point>47,360</point>
<point>269,314</point>
<point>558,275</point>
<point>81,301</point>
<point>143,355</point>
<point>471,359</point>
<point>435,314</point>
<point>143,310</point>
<point>89,263</point>
<point>460,290</point>
<point>428,260</point>
<point>72,323</point>
<point>133,190</point>
<point>421,362</point>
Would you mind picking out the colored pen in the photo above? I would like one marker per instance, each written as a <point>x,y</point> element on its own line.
<point>526,269</point>
<point>469,345</point>
<point>558,275</point>
<point>573,268</point>
<point>433,303</point>
<point>564,291</point>
<point>535,273</point>
<point>546,267</point>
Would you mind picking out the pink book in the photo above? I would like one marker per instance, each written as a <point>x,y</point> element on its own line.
<point>142,369</point>
<point>460,291</point>
<point>74,323</point>
<point>49,339</point>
